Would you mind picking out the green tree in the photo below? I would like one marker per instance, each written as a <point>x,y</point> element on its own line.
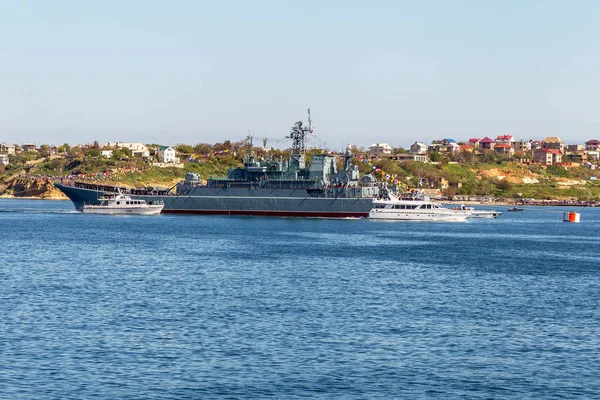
<point>185,149</point>
<point>64,148</point>
<point>434,156</point>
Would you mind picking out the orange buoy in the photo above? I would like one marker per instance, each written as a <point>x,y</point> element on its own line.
<point>571,217</point>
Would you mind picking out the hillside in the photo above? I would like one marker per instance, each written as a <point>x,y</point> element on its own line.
<point>502,179</point>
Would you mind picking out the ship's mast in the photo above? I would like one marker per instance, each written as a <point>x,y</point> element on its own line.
<point>298,134</point>
<point>250,153</point>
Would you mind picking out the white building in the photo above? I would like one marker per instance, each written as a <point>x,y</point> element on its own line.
<point>452,147</point>
<point>4,159</point>
<point>379,149</point>
<point>7,148</point>
<point>106,153</point>
<point>167,154</point>
<point>137,149</point>
<point>418,148</point>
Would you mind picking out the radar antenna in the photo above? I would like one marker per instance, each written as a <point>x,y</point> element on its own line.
<point>298,134</point>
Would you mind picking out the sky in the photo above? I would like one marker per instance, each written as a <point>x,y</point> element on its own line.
<point>193,71</point>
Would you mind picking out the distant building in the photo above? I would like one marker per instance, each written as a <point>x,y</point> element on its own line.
<point>504,148</point>
<point>505,139</point>
<point>436,146</point>
<point>467,147</point>
<point>547,156</point>
<point>578,157</point>
<point>592,145</point>
<point>4,160</point>
<point>137,149</point>
<point>167,154</point>
<point>379,149</point>
<point>522,146</point>
<point>29,147</point>
<point>574,147</point>
<point>452,147</point>
<point>7,148</point>
<point>474,142</point>
<point>106,153</point>
<point>553,143</point>
<point>487,143</point>
<point>593,155</point>
<point>447,141</point>
<point>418,148</point>
<point>536,144</point>
<point>409,157</point>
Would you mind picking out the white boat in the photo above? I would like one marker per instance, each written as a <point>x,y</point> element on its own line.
<point>122,204</point>
<point>474,213</point>
<point>413,208</point>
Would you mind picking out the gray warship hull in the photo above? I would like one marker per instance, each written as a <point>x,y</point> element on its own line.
<point>236,201</point>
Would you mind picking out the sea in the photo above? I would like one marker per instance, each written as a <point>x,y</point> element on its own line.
<point>200,307</point>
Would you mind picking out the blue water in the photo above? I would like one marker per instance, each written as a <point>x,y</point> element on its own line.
<point>193,307</point>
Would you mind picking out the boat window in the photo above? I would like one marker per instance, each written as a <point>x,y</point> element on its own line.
<point>118,202</point>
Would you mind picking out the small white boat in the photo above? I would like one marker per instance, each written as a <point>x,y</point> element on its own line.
<point>474,213</point>
<point>414,208</point>
<point>122,204</point>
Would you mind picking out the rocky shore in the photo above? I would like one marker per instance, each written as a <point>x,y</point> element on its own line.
<point>31,188</point>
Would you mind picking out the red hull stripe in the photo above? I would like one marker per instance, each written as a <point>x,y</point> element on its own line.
<point>322,214</point>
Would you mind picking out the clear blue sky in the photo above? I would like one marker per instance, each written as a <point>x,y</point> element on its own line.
<point>190,71</point>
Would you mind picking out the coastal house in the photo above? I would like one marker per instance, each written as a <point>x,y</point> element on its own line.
<point>447,141</point>
<point>553,143</point>
<point>522,146</point>
<point>436,146</point>
<point>452,147</point>
<point>7,148</point>
<point>504,148</point>
<point>106,153</point>
<point>547,156</point>
<point>418,148</point>
<point>593,154</point>
<point>167,154</point>
<point>4,160</point>
<point>408,157</point>
<point>487,143</point>
<point>29,147</point>
<point>592,145</point>
<point>576,157</point>
<point>505,139</point>
<point>377,150</point>
<point>574,147</point>
<point>474,142</point>
<point>467,147</point>
<point>536,144</point>
<point>137,149</point>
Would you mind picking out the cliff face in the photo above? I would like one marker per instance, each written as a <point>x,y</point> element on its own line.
<point>42,188</point>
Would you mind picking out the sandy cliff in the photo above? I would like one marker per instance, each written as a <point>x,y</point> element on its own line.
<point>27,187</point>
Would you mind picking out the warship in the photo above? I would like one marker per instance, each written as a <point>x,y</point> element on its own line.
<point>276,187</point>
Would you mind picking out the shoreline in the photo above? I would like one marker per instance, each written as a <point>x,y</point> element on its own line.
<point>539,203</point>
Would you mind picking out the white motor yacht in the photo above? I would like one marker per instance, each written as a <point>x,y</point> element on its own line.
<point>123,204</point>
<point>474,213</point>
<point>413,208</point>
